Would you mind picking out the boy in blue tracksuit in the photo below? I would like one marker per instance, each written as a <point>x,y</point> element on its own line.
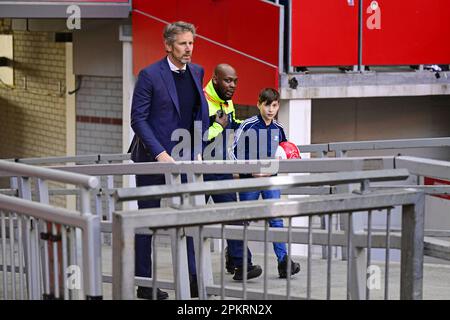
<point>258,138</point>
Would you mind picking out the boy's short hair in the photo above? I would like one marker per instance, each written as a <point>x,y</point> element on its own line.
<point>268,95</point>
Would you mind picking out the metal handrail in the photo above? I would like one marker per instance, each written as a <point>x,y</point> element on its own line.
<point>342,147</point>
<point>126,223</point>
<point>320,148</point>
<point>11,169</point>
<point>281,182</point>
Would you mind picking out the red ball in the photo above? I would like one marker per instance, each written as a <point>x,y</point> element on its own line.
<point>287,150</point>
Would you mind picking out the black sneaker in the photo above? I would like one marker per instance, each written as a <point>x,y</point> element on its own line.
<point>147,293</point>
<point>253,271</point>
<point>282,268</point>
<point>229,265</point>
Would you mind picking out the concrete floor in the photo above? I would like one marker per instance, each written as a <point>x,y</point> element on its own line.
<point>436,277</point>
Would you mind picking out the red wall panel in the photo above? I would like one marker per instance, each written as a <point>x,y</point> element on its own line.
<point>324,33</point>
<point>250,26</point>
<point>253,75</point>
<point>75,1</point>
<point>412,32</point>
<point>241,33</point>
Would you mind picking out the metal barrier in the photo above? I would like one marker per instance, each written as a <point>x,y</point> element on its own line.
<point>189,212</point>
<point>102,165</point>
<point>43,239</point>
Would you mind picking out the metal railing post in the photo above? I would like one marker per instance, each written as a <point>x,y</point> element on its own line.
<point>411,277</point>
<point>92,259</point>
<point>123,260</point>
<point>31,247</point>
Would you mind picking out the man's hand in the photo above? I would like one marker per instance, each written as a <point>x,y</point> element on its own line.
<point>260,175</point>
<point>164,157</point>
<point>222,119</point>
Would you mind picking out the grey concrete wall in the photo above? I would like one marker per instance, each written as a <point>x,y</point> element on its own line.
<point>335,120</point>
<point>97,49</point>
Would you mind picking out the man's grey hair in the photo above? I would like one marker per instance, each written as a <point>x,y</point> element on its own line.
<point>171,30</point>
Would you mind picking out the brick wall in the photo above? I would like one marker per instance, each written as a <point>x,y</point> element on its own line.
<point>99,115</point>
<point>33,118</point>
<point>33,111</point>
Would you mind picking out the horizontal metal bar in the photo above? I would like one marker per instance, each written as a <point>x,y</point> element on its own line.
<point>299,236</point>
<point>308,190</point>
<point>18,169</point>
<point>252,294</point>
<point>437,248</point>
<point>424,167</point>
<point>241,166</point>
<point>115,157</point>
<point>437,233</point>
<point>46,212</point>
<point>143,282</point>
<point>64,192</point>
<point>313,148</point>
<point>390,144</point>
<point>9,192</point>
<point>55,160</point>
<point>442,189</point>
<point>279,182</point>
<point>257,210</point>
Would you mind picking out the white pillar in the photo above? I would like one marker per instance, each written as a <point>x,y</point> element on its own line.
<point>128,82</point>
<point>71,122</point>
<point>295,116</point>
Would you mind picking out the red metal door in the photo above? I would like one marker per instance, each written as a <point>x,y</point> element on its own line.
<point>411,32</point>
<point>324,33</point>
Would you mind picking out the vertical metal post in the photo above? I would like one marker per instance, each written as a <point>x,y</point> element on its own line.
<point>54,233</point>
<point>330,230</point>
<point>206,260</point>
<point>64,261</point>
<point>369,250</point>
<point>411,277</point>
<point>266,247</point>
<point>31,248</point>
<point>308,276</point>
<point>110,207</point>
<point>21,257</point>
<point>349,255</point>
<point>291,69</point>
<point>281,41</point>
<point>245,263</point>
<point>5,263</point>
<point>92,258</point>
<point>123,259</point>
<point>154,266</point>
<point>288,265</point>
<point>43,197</point>
<point>201,284</point>
<point>180,272</point>
<point>360,35</point>
<point>222,262</point>
<point>12,257</point>
<point>387,252</point>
